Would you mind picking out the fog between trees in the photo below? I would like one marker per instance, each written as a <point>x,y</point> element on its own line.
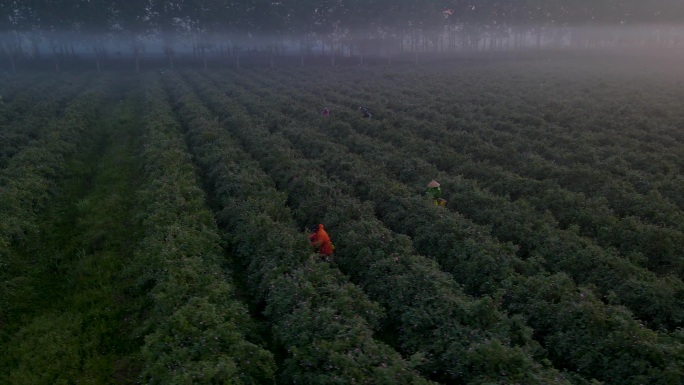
<point>99,31</point>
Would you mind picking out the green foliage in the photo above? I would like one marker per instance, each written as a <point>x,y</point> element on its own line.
<point>47,351</point>
<point>516,221</point>
<point>28,181</point>
<point>445,234</point>
<point>556,260</point>
<point>424,305</point>
<point>66,322</point>
<point>593,339</point>
<point>196,332</point>
<point>198,342</point>
<point>322,322</point>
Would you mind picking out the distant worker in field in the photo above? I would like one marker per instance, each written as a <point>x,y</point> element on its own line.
<point>365,112</point>
<point>326,112</point>
<point>435,193</point>
<point>320,240</point>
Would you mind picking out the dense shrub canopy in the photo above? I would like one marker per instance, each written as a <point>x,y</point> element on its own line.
<point>153,225</point>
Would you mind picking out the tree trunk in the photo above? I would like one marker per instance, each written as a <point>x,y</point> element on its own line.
<point>36,47</point>
<point>12,62</point>
<point>97,63</point>
<point>332,54</point>
<point>168,51</point>
<point>539,34</point>
<point>55,58</point>
<point>137,61</point>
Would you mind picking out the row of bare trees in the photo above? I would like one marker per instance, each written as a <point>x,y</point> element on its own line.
<point>30,29</point>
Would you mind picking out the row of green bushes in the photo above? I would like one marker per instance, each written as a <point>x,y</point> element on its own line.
<point>28,180</point>
<point>26,94</point>
<point>438,235</point>
<point>631,154</point>
<point>462,249</point>
<point>195,330</point>
<point>604,208</point>
<point>657,301</point>
<point>73,325</point>
<point>321,324</point>
<point>493,128</point>
<point>462,339</point>
<point>603,119</point>
<point>27,116</point>
<point>639,224</point>
<point>18,86</point>
<point>538,234</point>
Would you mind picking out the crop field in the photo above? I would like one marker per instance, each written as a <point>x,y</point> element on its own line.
<point>152,225</point>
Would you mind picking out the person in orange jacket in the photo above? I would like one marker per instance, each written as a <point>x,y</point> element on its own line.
<point>320,240</point>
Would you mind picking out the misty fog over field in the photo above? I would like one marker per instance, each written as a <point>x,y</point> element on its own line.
<point>109,34</point>
<point>500,182</point>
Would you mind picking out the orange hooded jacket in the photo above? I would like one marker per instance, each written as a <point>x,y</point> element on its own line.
<point>321,241</point>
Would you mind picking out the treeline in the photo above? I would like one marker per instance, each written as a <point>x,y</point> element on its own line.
<point>56,30</point>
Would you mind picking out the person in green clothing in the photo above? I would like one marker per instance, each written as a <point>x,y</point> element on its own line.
<point>434,192</point>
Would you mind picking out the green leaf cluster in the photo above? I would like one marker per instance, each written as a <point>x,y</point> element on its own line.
<point>323,323</point>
